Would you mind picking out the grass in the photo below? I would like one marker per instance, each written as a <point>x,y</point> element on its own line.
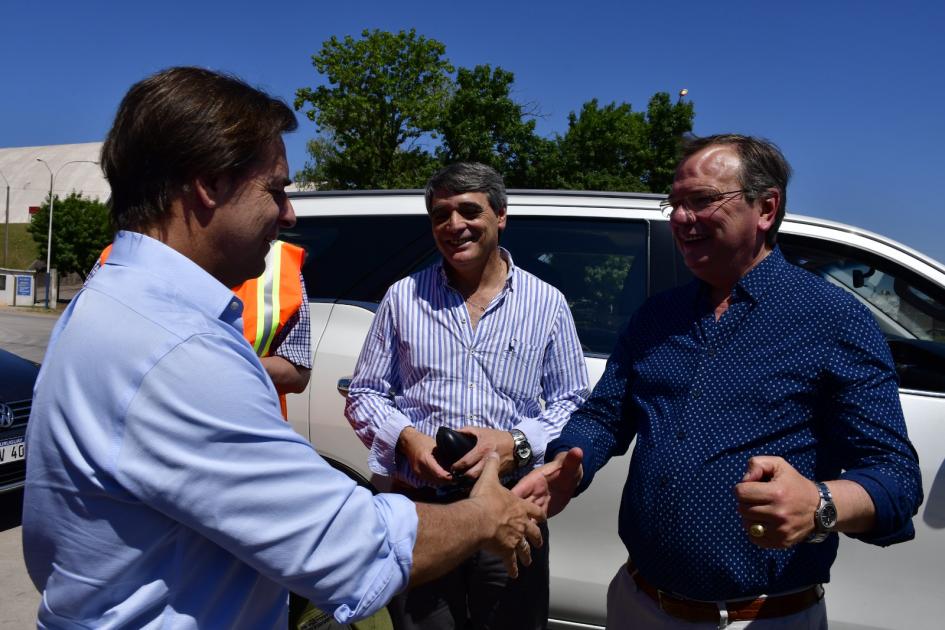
<point>22,248</point>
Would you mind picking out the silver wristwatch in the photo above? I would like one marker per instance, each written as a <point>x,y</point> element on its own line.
<point>825,518</point>
<point>521,449</point>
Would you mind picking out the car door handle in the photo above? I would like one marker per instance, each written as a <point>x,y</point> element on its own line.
<point>343,385</point>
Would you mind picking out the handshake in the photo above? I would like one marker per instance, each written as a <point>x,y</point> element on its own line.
<point>501,521</point>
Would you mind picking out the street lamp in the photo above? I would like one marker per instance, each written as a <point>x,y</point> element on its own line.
<point>52,181</point>
<point>6,221</point>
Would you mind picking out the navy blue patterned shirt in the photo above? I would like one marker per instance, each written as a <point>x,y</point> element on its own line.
<point>795,367</point>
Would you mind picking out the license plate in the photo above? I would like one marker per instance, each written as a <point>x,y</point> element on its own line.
<point>12,450</point>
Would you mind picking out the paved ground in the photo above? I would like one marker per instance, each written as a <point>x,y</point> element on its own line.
<point>18,599</point>
<point>26,334</point>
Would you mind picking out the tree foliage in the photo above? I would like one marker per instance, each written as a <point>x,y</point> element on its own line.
<point>384,94</point>
<point>81,229</point>
<point>482,123</point>
<point>392,113</point>
<point>614,148</point>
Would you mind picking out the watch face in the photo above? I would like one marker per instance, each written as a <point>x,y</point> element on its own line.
<point>828,516</point>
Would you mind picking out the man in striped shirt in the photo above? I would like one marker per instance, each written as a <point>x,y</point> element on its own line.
<point>472,343</point>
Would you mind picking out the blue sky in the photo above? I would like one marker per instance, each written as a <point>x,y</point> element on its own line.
<point>851,91</point>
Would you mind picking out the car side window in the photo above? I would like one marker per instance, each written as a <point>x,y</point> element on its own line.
<point>909,309</point>
<point>358,257</point>
<point>599,265</point>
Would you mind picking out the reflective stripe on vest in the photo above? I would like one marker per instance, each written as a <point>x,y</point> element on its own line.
<point>267,299</point>
<point>273,298</point>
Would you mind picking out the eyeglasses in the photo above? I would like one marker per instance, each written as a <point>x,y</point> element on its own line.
<point>701,204</point>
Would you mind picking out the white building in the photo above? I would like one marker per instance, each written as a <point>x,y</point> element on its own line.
<point>28,179</point>
<point>24,183</point>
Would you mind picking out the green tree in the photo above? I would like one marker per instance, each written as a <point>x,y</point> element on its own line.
<point>384,97</point>
<point>482,123</point>
<point>81,228</point>
<point>603,149</point>
<point>666,123</point>
<point>614,148</point>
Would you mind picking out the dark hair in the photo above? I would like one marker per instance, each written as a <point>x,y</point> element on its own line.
<point>763,166</point>
<point>179,124</point>
<point>463,177</point>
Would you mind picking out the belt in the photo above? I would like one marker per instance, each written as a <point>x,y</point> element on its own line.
<point>729,611</point>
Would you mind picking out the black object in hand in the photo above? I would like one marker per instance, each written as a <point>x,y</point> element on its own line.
<point>451,446</point>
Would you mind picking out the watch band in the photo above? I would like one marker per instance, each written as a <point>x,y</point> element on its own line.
<point>825,517</point>
<point>521,449</point>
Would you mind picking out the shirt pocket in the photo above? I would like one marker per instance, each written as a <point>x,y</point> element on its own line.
<point>516,367</point>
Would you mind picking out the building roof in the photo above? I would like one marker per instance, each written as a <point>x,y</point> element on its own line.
<point>29,180</point>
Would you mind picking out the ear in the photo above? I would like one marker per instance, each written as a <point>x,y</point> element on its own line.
<point>211,191</point>
<point>502,215</point>
<point>769,209</point>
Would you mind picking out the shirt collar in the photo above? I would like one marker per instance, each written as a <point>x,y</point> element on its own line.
<point>503,253</point>
<point>188,281</point>
<point>756,282</point>
<point>752,285</point>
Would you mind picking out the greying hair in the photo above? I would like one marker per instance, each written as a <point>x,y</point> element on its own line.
<point>463,177</point>
<point>180,124</point>
<point>763,166</point>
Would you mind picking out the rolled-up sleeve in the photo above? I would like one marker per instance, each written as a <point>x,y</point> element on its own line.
<point>866,428</point>
<point>564,383</point>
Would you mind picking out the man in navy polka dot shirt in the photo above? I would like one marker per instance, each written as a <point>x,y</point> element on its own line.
<point>765,408</point>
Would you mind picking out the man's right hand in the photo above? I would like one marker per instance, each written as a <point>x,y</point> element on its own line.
<point>512,524</point>
<point>418,448</point>
<point>551,486</point>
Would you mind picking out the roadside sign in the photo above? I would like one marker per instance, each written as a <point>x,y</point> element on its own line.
<point>24,285</point>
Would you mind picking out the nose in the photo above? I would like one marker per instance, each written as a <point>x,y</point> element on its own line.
<point>287,215</point>
<point>682,216</point>
<point>456,222</point>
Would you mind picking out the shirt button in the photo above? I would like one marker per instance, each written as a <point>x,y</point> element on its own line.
<point>696,393</point>
<point>472,385</point>
<point>664,482</point>
<point>234,306</point>
<point>463,320</point>
<point>680,435</point>
<point>711,352</point>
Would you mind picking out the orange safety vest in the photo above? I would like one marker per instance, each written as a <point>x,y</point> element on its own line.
<point>269,301</point>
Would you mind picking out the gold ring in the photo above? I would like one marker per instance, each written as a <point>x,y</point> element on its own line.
<point>757,530</point>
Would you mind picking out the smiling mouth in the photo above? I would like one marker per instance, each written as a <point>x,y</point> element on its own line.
<point>458,242</point>
<point>691,238</point>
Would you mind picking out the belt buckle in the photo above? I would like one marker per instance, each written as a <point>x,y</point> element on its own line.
<point>723,615</point>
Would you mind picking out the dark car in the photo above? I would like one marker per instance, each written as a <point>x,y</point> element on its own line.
<point>17,376</point>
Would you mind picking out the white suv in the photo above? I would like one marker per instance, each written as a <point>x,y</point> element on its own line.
<point>607,252</point>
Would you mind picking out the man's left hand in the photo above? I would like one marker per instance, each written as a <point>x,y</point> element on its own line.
<point>774,495</point>
<point>487,441</point>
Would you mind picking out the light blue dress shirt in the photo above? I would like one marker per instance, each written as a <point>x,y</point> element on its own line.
<point>443,372</point>
<point>164,490</point>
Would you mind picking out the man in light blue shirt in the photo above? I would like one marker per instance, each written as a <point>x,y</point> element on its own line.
<point>477,344</point>
<point>164,490</point>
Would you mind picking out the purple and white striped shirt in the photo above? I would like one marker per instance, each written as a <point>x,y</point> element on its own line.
<point>423,365</point>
